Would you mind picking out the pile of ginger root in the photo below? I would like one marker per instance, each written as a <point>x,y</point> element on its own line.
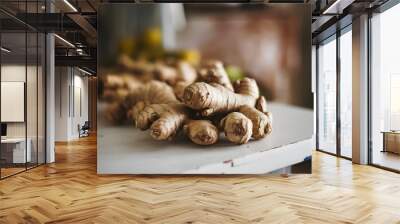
<point>169,98</point>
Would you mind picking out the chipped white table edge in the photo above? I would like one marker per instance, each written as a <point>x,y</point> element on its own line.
<point>261,162</point>
<point>126,150</point>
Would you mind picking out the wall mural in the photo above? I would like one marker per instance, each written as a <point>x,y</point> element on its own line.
<point>204,89</point>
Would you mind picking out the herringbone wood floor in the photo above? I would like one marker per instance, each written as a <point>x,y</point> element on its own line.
<point>69,191</point>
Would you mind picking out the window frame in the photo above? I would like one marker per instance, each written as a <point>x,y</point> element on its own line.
<point>381,9</point>
<point>334,37</point>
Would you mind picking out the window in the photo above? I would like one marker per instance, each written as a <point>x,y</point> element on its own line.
<point>346,93</point>
<point>22,75</point>
<point>385,89</point>
<point>334,59</point>
<point>327,96</point>
<point>394,102</point>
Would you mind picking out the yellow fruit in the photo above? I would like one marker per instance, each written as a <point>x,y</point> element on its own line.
<point>152,38</point>
<point>127,46</point>
<point>191,56</point>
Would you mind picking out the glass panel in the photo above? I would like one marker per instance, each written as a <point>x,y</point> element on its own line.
<point>327,96</point>
<point>41,99</point>
<point>385,84</point>
<point>13,87</point>
<point>32,89</point>
<point>346,93</point>
<point>31,98</point>
<point>23,91</point>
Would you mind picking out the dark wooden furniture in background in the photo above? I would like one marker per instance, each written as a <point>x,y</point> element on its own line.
<point>391,141</point>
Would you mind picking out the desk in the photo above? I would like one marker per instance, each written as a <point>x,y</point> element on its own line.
<point>13,150</point>
<point>391,141</point>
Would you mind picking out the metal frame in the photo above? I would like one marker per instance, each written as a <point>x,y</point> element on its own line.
<point>369,77</point>
<point>26,89</point>
<point>317,97</point>
<point>338,97</point>
<point>0,92</point>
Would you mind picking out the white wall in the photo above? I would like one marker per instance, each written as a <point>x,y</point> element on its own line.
<point>17,73</point>
<point>33,126</point>
<point>14,73</point>
<point>62,81</point>
<point>79,117</point>
<point>70,83</point>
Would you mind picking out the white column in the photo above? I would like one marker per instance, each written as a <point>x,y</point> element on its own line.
<point>360,90</point>
<point>50,99</point>
<point>50,92</point>
<point>314,91</point>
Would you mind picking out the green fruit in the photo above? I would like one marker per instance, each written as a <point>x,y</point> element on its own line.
<point>234,73</point>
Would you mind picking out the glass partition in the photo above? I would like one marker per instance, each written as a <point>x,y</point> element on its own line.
<point>32,95</point>
<point>346,93</point>
<point>385,89</point>
<point>41,97</point>
<point>14,153</point>
<point>22,93</point>
<point>327,95</point>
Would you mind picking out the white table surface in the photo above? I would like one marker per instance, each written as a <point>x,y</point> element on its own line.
<point>19,150</point>
<point>127,150</point>
<point>12,140</point>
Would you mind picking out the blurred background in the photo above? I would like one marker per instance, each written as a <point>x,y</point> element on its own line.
<point>270,44</point>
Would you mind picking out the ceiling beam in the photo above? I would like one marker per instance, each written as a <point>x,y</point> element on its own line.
<point>79,61</point>
<point>84,24</point>
<point>337,7</point>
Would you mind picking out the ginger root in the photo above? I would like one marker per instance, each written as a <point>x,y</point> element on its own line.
<point>124,81</point>
<point>215,73</point>
<point>110,95</point>
<point>261,122</point>
<point>166,74</point>
<point>118,86</point>
<point>179,89</point>
<point>153,92</point>
<point>142,68</point>
<point>115,113</point>
<point>261,104</point>
<point>164,120</point>
<point>164,98</point>
<point>182,72</point>
<point>201,132</point>
<point>186,72</point>
<point>187,75</point>
<point>247,87</point>
<point>237,127</point>
<point>145,117</point>
<point>214,98</point>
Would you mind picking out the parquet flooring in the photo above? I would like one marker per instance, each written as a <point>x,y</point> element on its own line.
<point>70,191</point>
